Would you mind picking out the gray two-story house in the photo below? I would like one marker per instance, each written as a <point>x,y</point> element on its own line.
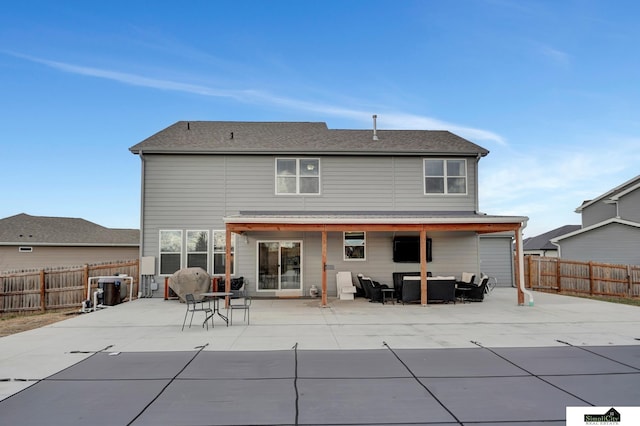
<point>610,231</point>
<point>287,205</point>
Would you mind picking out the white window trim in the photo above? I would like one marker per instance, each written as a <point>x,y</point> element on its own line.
<point>344,255</point>
<point>297,177</point>
<point>160,252</point>
<point>234,244</point>
<point>445,193</point>
<point>186,246</point>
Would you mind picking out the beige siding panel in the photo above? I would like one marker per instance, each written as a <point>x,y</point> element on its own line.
<point>49,257</point>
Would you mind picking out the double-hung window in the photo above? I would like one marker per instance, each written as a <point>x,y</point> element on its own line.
<point>297,176</point>
<point>197,249</point>
<point>220,252</point>
<point>354,246</point>
<point>445,176</point>
<point>170,252</point>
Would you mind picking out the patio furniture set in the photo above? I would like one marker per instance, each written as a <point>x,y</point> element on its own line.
<point>407,288</point>
<point>238,300</point>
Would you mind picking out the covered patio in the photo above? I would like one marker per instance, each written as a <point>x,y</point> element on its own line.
<point>421,223</point>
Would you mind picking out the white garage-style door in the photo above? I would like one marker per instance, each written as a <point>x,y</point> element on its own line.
<point>496,259</point>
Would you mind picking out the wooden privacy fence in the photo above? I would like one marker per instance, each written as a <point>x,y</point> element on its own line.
<point>57,288</point>
<point>588,278</point>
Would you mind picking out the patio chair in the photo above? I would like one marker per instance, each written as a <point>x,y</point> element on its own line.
<point>372,288</point>
<point>236,283</point>
<point>466,283</point>
<point>239,300</point>
<point>194,306</point>
<point>476,294</point>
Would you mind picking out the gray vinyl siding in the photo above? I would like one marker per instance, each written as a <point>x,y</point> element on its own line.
<point>629,206</point>
<point>612,243</point>
<point>190,188</point>
<point>597,212</point>
<point>496,259</point>
<point>195,192</point>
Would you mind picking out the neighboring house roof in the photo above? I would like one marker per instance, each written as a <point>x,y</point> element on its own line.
<point>597,225</point>
<point>613,194</point>
<point>238,137</point>
<point>543,241</point>
<point>23,229</point>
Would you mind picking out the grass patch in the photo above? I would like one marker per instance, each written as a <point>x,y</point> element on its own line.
<point>633,301</point>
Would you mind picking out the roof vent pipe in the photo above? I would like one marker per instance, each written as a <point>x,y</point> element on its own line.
<point>375,130</point>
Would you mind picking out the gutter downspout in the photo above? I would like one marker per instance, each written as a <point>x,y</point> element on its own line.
<point>521,263</point>
<point>142,173</point>
<point>478,157</point>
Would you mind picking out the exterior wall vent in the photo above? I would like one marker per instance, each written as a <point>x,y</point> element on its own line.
<point>25,249</point>
<point>375,130</point>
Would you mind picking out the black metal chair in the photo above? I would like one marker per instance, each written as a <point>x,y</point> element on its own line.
<point>240,300</point>
<point>372,289</point>
<point>194,306</point>
<point>477,295</point>
<point>476,292</point>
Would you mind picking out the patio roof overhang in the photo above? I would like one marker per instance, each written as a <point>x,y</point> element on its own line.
<point>421,222</point>
<point>413,221</point>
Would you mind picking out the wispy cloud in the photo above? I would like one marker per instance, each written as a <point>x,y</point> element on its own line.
<point>557,56</point>
<point>549,189</point>
<point>392,120</point>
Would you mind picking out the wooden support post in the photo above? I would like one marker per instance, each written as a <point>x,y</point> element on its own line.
<point>423,267</point>
<point>43,292</point>
<point>227,266</point>
<point>324,268</point>
<point>519,266</point>
<point>85,275</point>
<point>591,281</point>
<point>629,282</point>
<point>558,275</point>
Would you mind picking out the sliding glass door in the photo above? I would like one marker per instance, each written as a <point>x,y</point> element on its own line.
<point>279,265</point>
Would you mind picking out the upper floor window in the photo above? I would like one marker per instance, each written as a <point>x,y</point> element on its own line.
<point>445,176</point>
<point>170,252</point>
<point>354,246</point>
<point>197,249</point>
<point>297,176</point>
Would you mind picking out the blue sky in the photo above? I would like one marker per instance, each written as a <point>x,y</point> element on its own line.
<point>551,88</point>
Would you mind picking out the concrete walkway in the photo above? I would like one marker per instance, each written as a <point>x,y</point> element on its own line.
<point>518,346</point>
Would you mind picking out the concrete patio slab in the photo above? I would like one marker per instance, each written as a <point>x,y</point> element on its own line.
<point>349,362</point>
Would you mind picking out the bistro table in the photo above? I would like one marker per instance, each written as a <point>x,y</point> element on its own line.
<point>216,296</point>
<point>387,292</point>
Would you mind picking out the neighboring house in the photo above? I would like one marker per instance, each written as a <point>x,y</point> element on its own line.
<point>287,205</point>
<point>28,242</point>
<point>541,245</point>
<point>610,231</point>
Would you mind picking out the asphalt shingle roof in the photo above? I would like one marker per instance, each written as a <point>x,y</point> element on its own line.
<point>41,230</point>
<point>241,137</point>
<point>542,241</point>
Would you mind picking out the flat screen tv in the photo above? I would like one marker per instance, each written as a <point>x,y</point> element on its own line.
<point>407,249</point>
